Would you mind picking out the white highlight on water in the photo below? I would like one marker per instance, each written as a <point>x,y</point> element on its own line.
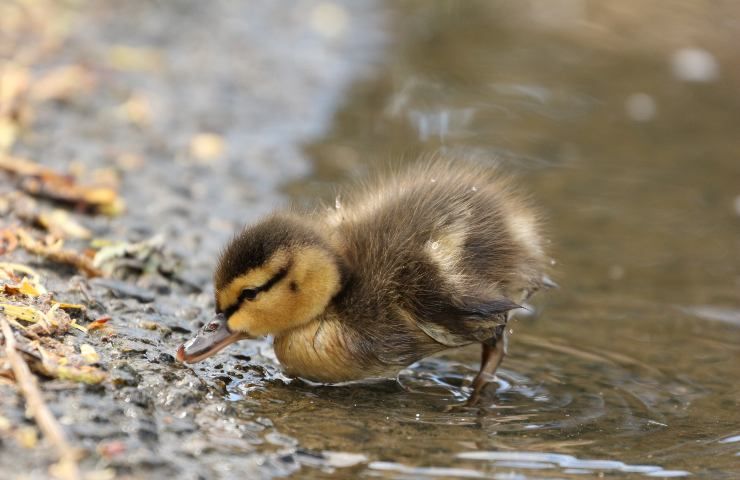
<point>694,65</point>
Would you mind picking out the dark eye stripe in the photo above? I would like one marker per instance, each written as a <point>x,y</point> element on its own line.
<point>263,288</point>
<point>231,310</point>
<point>275,279</point>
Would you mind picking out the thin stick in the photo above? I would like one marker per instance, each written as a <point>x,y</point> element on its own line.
<point>67,467</point>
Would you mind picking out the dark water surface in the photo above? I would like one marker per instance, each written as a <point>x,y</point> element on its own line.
<point>621,118</point>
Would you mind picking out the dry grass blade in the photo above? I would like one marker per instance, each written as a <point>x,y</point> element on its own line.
<point>67,467</point>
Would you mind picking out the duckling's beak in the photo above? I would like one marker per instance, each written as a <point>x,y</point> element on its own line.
<point>212,338</point>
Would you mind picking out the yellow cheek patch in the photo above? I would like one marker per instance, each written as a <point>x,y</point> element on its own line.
<point>310,283</point>
<point>228,295</point>
<point>268,313</point>
<point>241,320</point>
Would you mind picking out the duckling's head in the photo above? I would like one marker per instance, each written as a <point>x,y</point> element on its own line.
<point>272,277</point>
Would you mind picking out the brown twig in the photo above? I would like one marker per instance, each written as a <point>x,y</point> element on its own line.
<point>67,467</point>
<point>58,255</point>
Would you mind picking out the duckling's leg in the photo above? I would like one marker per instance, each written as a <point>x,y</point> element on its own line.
<point>491,356</point>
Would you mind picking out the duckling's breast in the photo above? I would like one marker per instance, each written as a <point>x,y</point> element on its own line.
<point>324,351</point>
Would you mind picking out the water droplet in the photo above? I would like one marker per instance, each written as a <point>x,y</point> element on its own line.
<point>475,189</point>
<point>434,245</point>
<point>338,202</point>
<point>434,180</point>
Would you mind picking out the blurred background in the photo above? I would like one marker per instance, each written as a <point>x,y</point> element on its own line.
<point>620,118</point>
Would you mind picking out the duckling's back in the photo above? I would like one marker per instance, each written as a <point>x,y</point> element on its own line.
<point>436,255</point>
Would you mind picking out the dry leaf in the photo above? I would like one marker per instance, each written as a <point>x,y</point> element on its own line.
<point>24,280</point>
<point>64,368</point>
<point>44,182</point>
<point>23,288</point>
<point>22,312</point>
<point>98,323</point>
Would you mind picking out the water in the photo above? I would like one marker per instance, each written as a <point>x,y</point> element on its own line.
<point>629,144</point>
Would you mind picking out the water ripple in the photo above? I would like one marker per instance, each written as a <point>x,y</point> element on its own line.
<point>542,387</point>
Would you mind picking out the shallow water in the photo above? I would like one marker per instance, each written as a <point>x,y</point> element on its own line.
<point>631,367</point>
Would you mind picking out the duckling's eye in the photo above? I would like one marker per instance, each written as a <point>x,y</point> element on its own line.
<point>248,294</point>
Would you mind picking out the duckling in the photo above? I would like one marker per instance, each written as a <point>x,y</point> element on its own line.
<point>435,257</point>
